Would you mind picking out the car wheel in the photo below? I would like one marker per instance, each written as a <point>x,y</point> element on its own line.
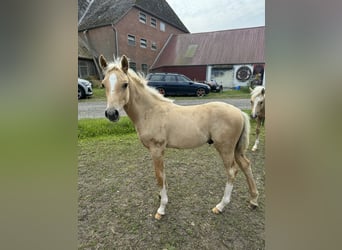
<point>81,93</point>
<point>200,92</point>
<point>161,91</point>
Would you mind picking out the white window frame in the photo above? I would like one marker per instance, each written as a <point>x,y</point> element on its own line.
<point>162,26</point>
<point>153,46</point>
<point>142,68</point>
<point>131,40</point>
<point>143,43</point>
<point>142,17</point>
<point>154,23</point>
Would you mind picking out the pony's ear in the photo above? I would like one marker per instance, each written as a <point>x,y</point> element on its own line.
<point>250,89</point>
<point>124,63</point>
<point>103,62</point>
<point>263,91</point>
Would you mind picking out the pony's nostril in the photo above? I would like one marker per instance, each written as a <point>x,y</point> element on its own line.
<point>112,114</point>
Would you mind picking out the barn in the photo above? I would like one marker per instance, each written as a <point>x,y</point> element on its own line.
<point>231,57</point>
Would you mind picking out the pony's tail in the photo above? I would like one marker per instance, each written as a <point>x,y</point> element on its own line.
<point>243,142</point>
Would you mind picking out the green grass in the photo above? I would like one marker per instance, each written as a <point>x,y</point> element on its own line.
<point>99,94</point>
<point>88,128</point>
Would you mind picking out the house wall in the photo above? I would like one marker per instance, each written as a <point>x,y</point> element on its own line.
<point>222,74</point>
<point>102,40</point>
<point>257,72</point>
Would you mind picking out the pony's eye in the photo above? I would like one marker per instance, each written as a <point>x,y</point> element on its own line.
<point>261,103</point>
<point>125,85</point>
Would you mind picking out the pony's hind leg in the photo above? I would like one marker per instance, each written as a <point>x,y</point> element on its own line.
<point>228,161</point>
<point>158,162</point>
<point>245,166</point>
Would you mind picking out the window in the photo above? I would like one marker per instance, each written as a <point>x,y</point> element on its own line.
<point>162,26</point>
<point>143,43</point>
<point>144,68</point>
<point>131,40</point>
<point>83,69</point>
<point>170,78</point>
<point>133,66</point>
<point>153,46</point>
<point>156,78</point>
<point>183,79</point>
<point>153,22</point>
<point>142,17</point>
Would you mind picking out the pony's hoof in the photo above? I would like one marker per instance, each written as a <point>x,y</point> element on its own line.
<point>253,205</point>
<point>254,149</point>
<point>158,216</point>
<point>216,211</point>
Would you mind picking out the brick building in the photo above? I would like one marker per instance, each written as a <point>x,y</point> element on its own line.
<point>137,28</point>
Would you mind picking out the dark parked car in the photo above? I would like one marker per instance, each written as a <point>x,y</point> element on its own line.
<point>214,86</point>
<point>84,88</point>
<point>176,84</point>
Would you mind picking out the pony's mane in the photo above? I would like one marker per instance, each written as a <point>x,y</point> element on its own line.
<point>257,91</point>
<point>138,78</point>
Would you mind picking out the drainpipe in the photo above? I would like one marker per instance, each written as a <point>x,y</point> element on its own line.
<point>116,55</point>
<point>94,57</point>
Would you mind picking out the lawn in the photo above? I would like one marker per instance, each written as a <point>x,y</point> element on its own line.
<point>118,195</point>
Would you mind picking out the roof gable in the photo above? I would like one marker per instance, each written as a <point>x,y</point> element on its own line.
<point>220,47</point>
<point>106,12</point>
<point>83,51</point>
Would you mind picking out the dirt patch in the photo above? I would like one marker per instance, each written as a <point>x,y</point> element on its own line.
<point>118,198</point>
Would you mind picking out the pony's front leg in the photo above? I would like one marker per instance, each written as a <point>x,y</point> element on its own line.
<point>255,146</point>
<point>158,162</point>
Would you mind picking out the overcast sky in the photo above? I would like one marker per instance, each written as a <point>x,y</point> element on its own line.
<point>213,15</point>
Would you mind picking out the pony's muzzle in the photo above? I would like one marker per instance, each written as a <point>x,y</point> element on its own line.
<point>254,116</point>
<point>112,114</point>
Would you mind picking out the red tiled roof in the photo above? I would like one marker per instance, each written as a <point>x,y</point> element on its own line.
<point>220,47</point>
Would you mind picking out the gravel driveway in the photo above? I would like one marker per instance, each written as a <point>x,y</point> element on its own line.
<point>95,109</point>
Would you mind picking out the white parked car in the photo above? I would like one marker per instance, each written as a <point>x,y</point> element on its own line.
<point>84,88</point>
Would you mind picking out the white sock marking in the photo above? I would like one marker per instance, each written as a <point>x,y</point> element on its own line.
<point>226,197</point>
<point>163,201</point>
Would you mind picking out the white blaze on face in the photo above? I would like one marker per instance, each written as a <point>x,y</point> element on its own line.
<point>112,81</point>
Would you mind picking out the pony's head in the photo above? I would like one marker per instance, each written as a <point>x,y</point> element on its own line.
<point>257,101</point>
<point>116,83</point>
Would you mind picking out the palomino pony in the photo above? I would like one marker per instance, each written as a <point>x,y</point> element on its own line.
<point>161,124</point>
<point>258,110</point>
